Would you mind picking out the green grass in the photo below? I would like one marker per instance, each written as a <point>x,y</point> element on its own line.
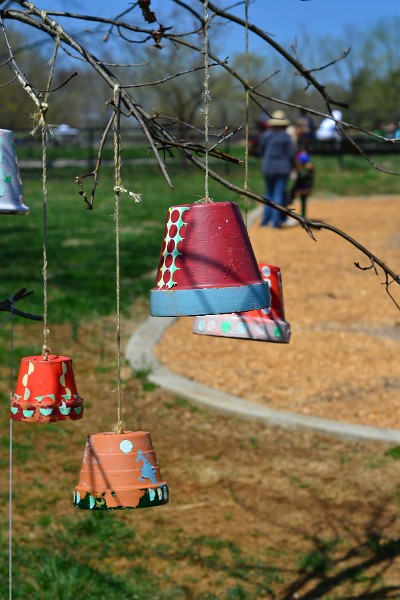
<point>353,175</point>
<point>73,555</point>
<point>81,243</point>
<point>80,247</point>
<point>86,149</point>
<point>80,564</point>
<point>394,452</point>
<point>61,553</point>
<point>60,576</point>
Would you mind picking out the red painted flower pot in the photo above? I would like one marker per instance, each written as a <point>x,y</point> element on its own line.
<point>46,391</point>
<point>207,264</point>
<point>120,470</point>
<point>267,324</point>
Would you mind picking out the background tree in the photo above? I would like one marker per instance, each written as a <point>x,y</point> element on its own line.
<point>32,60</point>
<point>183,29</point>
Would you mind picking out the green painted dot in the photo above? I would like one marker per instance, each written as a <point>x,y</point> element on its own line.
<point>277,332</point>
<point>226,327</point>
<point>175,253</point>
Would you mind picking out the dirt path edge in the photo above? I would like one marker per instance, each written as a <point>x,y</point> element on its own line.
<point>139,353</point>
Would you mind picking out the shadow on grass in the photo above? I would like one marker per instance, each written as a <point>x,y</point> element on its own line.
<point>331,566</point>
<point>352,563</point>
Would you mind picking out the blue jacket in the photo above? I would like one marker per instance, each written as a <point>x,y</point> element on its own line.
<point>277,152</point>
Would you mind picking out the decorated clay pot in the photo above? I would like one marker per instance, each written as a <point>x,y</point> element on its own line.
<point>11,194</point>
<point>207,264</point>
<point>266,325</point>
<point>120,470</point>
<point>46,391</point>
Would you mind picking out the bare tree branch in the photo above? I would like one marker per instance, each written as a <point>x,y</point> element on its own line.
<point>53,29</point>
<point>288,57</point>
<point>157,133</point>
<point>95,174</point>
<point>309,225</point>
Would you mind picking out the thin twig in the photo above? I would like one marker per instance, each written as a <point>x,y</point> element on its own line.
<point>95,173</point>
<point>74,74</point>
<point>174,76</point>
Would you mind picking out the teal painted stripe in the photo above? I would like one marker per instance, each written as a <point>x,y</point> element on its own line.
<point>209,301</point>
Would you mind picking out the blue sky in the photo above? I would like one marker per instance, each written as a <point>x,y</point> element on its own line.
<point>284,19</point>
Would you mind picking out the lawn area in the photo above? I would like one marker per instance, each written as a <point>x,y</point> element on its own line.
<point>81,243</point>
<point>255,512</point>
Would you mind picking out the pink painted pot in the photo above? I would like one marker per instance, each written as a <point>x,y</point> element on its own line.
<point>46,391</point>
<point>207,264</point>
<point>120,470</point>
<point>266,325</point>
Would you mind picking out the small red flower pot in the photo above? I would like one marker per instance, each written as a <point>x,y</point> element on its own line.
<point>120,470</point>
<point>46,391</point>
<point>266,325</point>
<point>207,264</point>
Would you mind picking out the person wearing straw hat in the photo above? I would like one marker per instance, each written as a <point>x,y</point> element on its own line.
<point>277,152</point>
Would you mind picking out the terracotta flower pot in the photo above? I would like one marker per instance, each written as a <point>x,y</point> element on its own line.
<point>207,264</point>
<point>46,391</point>
<point>266,325</point>
<point>11,194</point>
<point>120,470</point>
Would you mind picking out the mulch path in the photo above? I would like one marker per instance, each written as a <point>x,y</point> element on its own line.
<point>342,362</point>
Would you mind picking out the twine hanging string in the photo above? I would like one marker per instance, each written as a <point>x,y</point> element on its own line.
<point>207,100</point>
<point>38,122</point>
<point>10,481</point>
<point>41,122</point>
<point>117,191</point>
<point>247,97</point>
<point>46,332</point>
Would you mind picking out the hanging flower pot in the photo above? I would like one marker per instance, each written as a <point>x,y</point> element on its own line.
<point>267,324</point>
<point>11,194</point>
<point>207,264</point>
<point>46,391</point>
<point>120,470</point>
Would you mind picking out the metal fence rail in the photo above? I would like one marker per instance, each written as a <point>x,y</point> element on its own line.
<point>79,147</point>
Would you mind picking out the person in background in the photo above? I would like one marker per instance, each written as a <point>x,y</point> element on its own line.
<point>309,125</point>
<point>304,128</point>
<point>327,130</point>
<point>304,180</point>
<point>277,153</point>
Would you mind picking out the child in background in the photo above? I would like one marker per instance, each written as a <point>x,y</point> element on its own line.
<point>304,179</point>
